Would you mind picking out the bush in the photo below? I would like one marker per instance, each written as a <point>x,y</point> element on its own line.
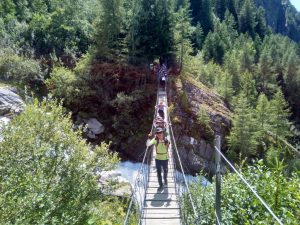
<point>62,83</point>
<point>240,206</point>
<point>47,171</point>
<point>203,120</point>
<point>184,102</point>
<point>20,70</point>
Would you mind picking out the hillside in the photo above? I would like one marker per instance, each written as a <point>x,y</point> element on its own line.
<point>282,17</point>
<point>87,73</point>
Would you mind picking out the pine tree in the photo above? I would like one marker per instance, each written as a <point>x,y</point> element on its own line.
<point>261,26</point>
<point>214,47</point>
<point>246,53</point>
<point>292,80</point>
<point>220,8</point>
<point>224,85</point>
<point>197,37</point>
<point>249,87</point>
<point>279,116</point>
<point>232,66</point>
<point>108,30</point>
<point>202,13</point>
<point>247,18</point>
<point>265,78</point>
<point>182,33</point>
<point>231,26</point>
<point>242,138</point>
<point>230,5</point>
<point>206,16</point>
<point>262,115</point>
<point>151,31</point>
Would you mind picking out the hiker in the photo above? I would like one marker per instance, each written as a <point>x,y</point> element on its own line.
<point>163,75</point>
<point>161,159</point>
<point>160,108</point>
<point>159,122</point>
<point>162,80</point>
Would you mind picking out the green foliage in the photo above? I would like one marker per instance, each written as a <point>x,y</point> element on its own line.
<point>209,74</point>
<point>109,29</point>
<point>221,40</point>
<point>184,102</point>
<point>242,139</point>
<point>62,83</point>
<point>263,115</point>
<point>197,37</point>
<point>150,33</point>
<point>203,120</point>
<point>220,8</point>
<point>247,18</point>
<point>248,87</point>
<point>240,206</point>
<point>202,13</point>
<point>111,211</point>
<point>182,34</point>
<point>63,28</point>
<point>265,78</point>
<point>48,172</point>
<point>223,85</point>
<point>20,70</point>
<point>280,113</point>
<point>214,47</point>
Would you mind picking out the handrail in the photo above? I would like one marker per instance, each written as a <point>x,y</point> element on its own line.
<point>181,167</point>
<point>140,170</point>
<point>249,186</point>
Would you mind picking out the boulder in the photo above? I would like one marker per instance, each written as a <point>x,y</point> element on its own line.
<point>112,183</point>
<point>10,103</point>
<point>92,127</point>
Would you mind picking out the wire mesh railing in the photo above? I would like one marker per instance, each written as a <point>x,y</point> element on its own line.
<point>136,204</point>
<point>181,184</point>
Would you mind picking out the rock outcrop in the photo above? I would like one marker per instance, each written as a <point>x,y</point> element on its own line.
<point>195,138</point>
<point>93,127</point>
<point>112,183</point>
<point>10,103</point>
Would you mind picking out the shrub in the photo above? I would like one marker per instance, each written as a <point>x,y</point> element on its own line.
<point>62,83</point>
<point>240,206</point>
<point>47,171</point>
<point>20,70</point>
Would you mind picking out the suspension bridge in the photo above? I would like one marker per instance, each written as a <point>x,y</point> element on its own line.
<point>150,205</point>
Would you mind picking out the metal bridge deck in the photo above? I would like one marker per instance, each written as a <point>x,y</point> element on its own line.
<point>161,207</point>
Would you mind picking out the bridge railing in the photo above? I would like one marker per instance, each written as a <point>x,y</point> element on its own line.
<point>219,155</point>
<point>136,204</point>
<point>181,183</point>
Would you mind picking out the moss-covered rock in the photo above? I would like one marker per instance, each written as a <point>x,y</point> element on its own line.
<point>196,121</point>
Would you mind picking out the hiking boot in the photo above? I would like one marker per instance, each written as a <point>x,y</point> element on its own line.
<point>160,188</point>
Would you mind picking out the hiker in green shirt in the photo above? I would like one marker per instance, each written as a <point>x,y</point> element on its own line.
<point>161,158</point>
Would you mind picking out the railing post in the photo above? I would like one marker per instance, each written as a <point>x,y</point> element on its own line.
<point>218,180</point>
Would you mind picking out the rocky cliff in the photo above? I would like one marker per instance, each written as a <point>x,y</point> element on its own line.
<point>282,17</point>
<point>190,99</point>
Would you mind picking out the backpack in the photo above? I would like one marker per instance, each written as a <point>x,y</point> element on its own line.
<point>166,141</point>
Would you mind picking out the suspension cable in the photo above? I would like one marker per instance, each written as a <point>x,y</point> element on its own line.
<point>217,217</point>
<point>182,171</point>
<point>284,142</point>
<point>249,186</point>
<point>141,167</point>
